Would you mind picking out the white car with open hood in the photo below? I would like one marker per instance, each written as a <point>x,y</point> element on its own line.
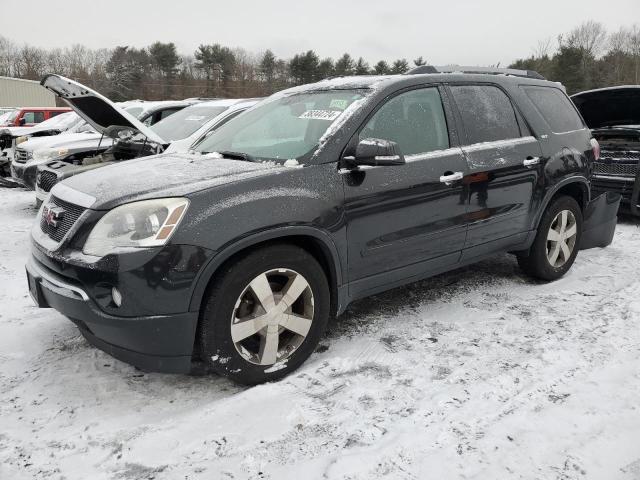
<point>129,137</point>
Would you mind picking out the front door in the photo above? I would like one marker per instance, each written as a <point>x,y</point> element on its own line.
<point>404,221</point>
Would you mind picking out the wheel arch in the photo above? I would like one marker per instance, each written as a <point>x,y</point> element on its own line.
<point>576,187</point>
<point>317,242</point>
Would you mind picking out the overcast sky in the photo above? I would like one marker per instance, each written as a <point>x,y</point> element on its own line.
<point>464,32</point>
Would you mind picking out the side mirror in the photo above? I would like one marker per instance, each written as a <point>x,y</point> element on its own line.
<point>377,152</point>
<point>22,121</point>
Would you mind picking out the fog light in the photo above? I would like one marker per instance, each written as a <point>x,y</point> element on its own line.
<point>117,296</point>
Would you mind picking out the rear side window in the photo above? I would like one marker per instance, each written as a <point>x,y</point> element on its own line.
<point>555,107</point>
<point>415,120</point>
<point>33,117</point>
<point>487,113</point>
<point>55,113</point>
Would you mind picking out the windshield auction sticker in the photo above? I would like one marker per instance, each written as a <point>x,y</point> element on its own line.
<point>329,115</point>
<point>339,103</point>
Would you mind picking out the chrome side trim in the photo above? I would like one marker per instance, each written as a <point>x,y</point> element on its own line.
<point>498,144</point>
<point>71,195</point>
<point>54,283</point>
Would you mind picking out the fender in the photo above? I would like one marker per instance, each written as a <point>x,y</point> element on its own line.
<point>581,180</point>
<point>235,246</point>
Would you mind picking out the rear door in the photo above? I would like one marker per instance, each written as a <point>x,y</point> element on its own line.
<point>504,162</point>
<point>403,221</point>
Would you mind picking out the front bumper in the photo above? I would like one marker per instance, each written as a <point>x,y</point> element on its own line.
<point>24,174</point>
<point>154,342</point>
<point>627,187</point>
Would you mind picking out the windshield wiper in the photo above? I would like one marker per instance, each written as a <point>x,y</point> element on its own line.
<point>238,156</point>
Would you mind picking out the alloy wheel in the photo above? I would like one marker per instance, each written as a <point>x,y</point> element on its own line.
<point>561,238</point>
<point>272,316</point>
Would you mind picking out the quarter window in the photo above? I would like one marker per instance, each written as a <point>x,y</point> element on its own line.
<point>556,108</point>
<point>487,113</point>
<point>415,120</point>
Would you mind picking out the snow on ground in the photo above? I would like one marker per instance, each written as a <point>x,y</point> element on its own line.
<point>478,373</point>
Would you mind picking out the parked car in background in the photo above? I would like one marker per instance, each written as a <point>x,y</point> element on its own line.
<point>613,114</point>
<point>182,128</point>
<point>10,137</point>
<point>238,253</point>
<point>36,151</point>
<point>150,113</point>
<point>4,117</point>
<point>30,116</point>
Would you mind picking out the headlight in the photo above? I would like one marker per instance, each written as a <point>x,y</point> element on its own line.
<point>148,223</point>
<point>50,153</point>
<point>20,140</point>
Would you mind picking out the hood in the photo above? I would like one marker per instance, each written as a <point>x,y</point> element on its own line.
<point>96,109</point>
<point>66,140</point>
<point>166,175</point>
<point>609,107</point>
<point>25,131</point>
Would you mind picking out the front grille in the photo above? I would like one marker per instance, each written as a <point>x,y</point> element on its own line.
<point>22,156</point>
<point>71,214</point>
<point>623,169</point>
<point>46,180</point>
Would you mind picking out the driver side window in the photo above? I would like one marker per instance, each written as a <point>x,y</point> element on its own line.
<point>415,120</point>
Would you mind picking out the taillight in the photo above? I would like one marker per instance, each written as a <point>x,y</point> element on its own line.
<point>595,146</point>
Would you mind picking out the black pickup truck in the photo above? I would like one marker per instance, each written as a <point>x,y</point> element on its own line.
<point>237,253</point>
<point>613,114</point>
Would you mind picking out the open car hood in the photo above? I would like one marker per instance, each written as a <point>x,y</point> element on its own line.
<point>96,109</point>
<point>609,107</point>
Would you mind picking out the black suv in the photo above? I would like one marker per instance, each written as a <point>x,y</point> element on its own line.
<point>237,254</point>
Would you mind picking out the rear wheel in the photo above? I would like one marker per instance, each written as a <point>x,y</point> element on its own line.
<point>557,242</point>
<point>264,314</point>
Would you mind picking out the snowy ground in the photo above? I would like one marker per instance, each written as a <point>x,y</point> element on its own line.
<point>479,373</point>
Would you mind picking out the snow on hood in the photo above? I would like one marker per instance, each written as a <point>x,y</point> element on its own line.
<point>65,140</point>
<point>162,175</point>
<point>96,109</point>
<point>607,107</point>
<point>59,123</point>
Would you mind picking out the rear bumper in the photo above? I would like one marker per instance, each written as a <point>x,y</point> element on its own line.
<point>161,343</point>
<point>600,220</point>
<point>627,187</point>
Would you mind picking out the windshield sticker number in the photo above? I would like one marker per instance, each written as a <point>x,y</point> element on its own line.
<point>329,115</point>
<point>338,103</point>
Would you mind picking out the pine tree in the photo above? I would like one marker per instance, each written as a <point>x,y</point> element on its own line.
<point>362,67</point>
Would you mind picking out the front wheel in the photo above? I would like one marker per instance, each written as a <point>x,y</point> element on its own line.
<point>557,241</point>
<point>264,314</point>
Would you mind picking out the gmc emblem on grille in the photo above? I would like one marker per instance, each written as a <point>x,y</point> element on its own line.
<point>52,215</point>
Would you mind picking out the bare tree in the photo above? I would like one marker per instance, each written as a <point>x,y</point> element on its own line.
<point>543,48</point>
<point>634,49</point>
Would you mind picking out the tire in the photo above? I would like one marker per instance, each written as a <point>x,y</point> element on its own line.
<point>538,261</point>
<point>231,299</point>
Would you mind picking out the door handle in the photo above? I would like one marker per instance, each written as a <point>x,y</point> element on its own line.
<point>453,177</point>
<point>531,161</point>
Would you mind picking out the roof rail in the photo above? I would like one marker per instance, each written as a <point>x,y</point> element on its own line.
<point>484,70</point>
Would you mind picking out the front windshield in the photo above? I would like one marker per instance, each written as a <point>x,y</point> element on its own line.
<point>185,122</point>
<point>13,115</point>
<point>288,127</point>
<point>64,121</point>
